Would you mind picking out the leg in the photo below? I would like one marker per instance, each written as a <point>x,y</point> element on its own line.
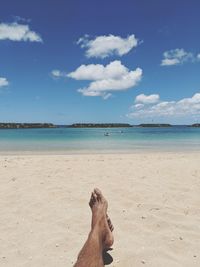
<point>100,236</point>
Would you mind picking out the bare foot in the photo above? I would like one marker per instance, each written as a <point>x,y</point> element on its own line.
<point>110,223</point>
<point>99,205</point>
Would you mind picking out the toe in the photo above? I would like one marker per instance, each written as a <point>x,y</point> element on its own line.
<point>91,200</point>
<point>98,193</point>
<point>95,197</point>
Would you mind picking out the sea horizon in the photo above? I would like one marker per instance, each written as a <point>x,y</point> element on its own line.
<point>97,123</point>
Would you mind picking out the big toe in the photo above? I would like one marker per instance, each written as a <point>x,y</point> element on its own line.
<point>99,194</point>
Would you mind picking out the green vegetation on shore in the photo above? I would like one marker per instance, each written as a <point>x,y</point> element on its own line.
<point>154,125</point>
<point>10,125</point>
<point>26,125</point>
<point>195,125</point>
<point>99,125</point>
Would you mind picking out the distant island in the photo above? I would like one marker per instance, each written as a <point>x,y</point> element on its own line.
<point>26,125</point>
<point>154,125</point>
<point>195,125</point>
<point>100,125</point>
<point>10,125</point>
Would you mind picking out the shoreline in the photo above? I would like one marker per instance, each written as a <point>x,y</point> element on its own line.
<point>100,152</point>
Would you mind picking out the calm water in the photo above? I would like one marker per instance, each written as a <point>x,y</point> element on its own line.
<point>131,139</point>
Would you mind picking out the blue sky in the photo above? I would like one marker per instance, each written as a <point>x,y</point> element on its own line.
<point>100,61</point>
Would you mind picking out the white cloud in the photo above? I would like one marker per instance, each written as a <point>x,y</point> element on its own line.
<point>104,79</point>
<point>18,32</point>
<point>198,56</point>
<point>104,46</point>
<point>147,99</point>
<point>176,57</point>
<point>3,82</point>
<point>57,73</point>
<point>138,106</point>
<point>170,62</point>
<point>181,108</point>
<point>113,70</point>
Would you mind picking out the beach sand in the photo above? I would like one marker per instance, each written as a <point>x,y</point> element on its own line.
<point>154,204</point>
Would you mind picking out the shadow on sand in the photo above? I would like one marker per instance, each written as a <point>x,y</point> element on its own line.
<point>107,258</point>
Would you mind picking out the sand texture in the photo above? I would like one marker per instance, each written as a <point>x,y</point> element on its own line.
<point>154,203</point>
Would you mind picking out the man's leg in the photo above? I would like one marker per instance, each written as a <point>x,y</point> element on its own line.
<point>100,236</point>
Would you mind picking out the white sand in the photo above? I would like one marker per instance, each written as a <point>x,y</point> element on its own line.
<point>154,203</point>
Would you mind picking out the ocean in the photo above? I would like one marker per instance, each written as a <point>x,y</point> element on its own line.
<point>67,140</point>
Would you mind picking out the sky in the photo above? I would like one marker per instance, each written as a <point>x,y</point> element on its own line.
<point>69,61</point>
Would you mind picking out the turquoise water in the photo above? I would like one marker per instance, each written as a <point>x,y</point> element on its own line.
<point>71,139</point>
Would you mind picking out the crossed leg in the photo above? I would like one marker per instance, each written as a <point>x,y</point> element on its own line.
<point>100,237</point>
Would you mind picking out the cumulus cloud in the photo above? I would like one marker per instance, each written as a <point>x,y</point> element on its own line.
<point>113,70</point>
<point>18,32</point>
<point>107,45</point>
<point>180,108</point>
<point>105,79</point>
<point>176,57</point>
<point>3,82</point>
<point>147,99</point>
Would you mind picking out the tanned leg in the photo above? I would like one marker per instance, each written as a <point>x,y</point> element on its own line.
<point>100,236</point>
